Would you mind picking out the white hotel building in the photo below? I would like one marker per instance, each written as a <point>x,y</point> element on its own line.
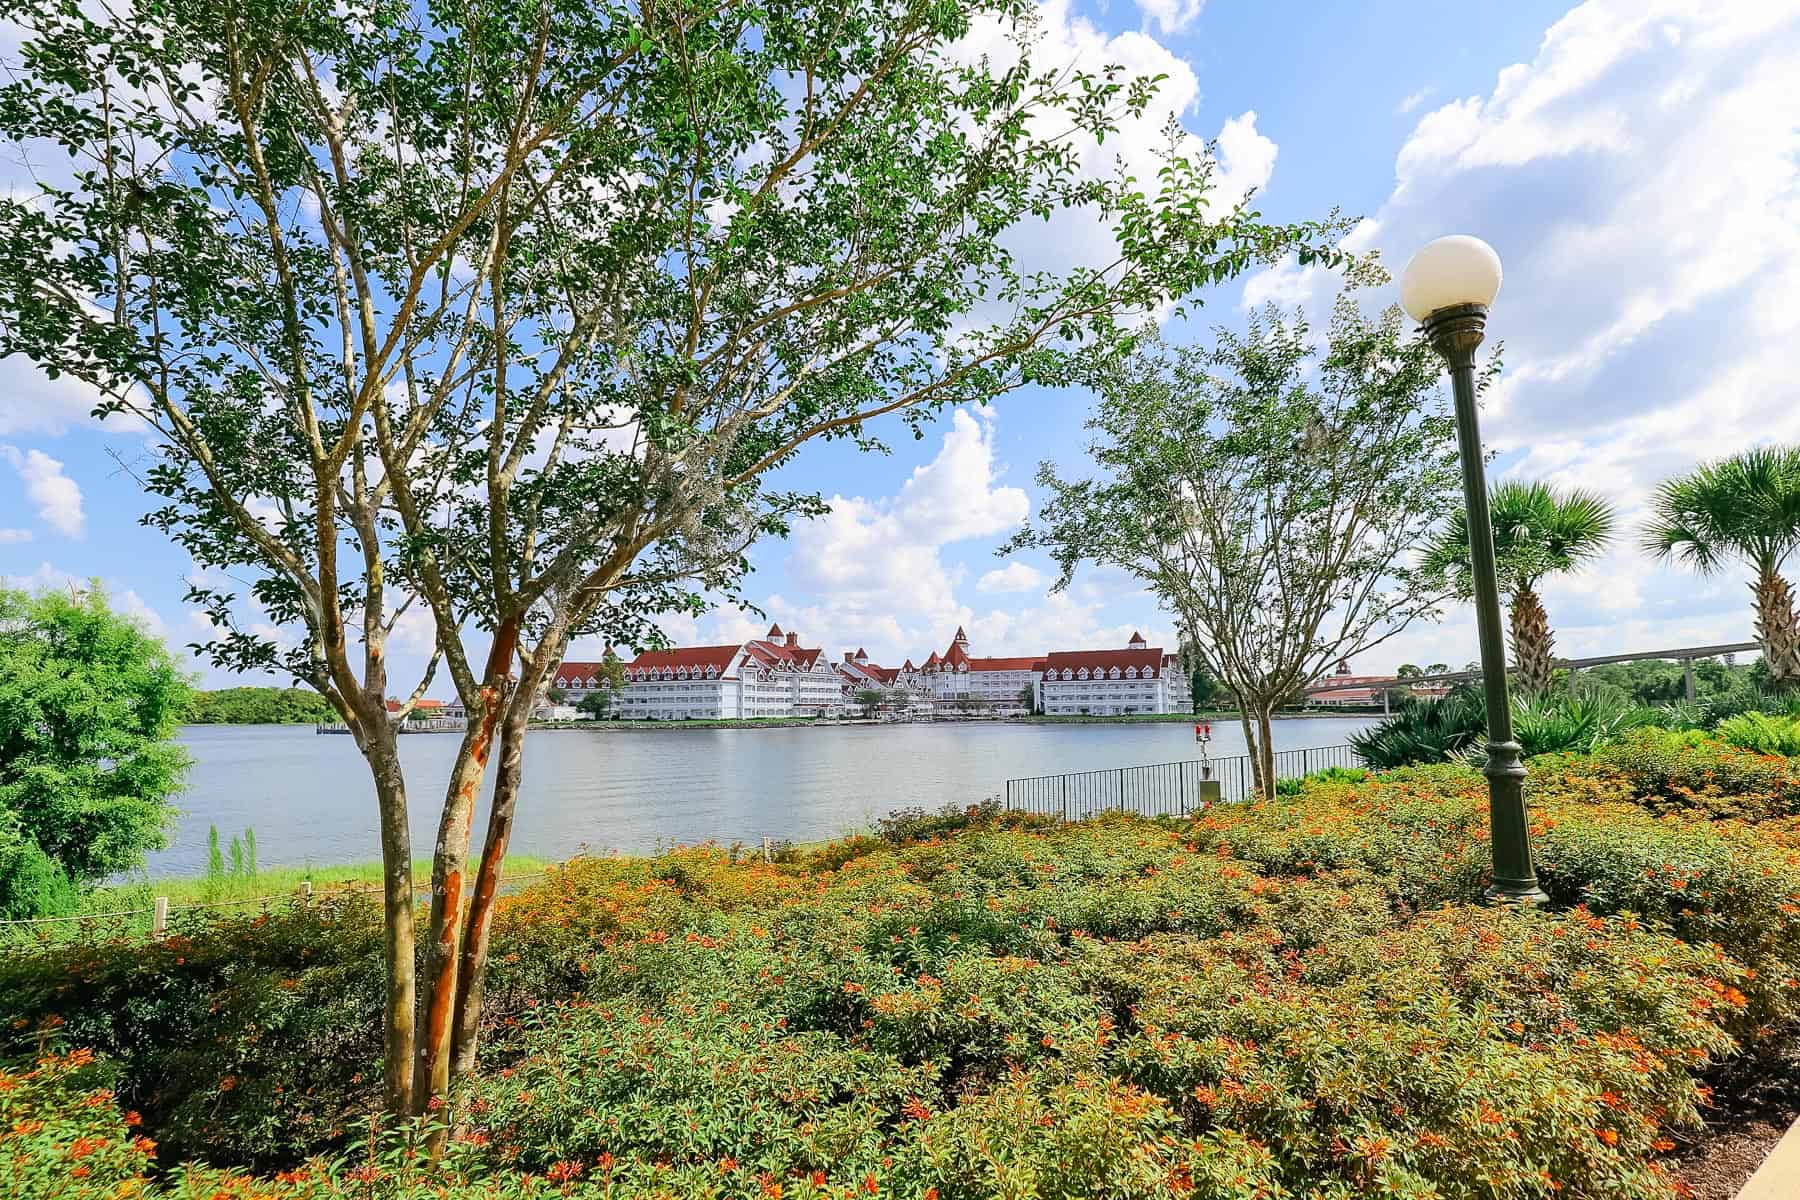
<point>1108,683</point>
<point>774,676</point>
<point>1000,683</point>
<point>770,676</point>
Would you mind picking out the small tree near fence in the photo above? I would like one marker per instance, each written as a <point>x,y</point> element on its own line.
<point>1268,491</point>
<point>501,314</point>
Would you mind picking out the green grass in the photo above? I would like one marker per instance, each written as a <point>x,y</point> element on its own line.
<point>127,906</point>
<point>268,881</point>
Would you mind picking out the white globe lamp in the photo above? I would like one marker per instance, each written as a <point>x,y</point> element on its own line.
<point>1448,273</point>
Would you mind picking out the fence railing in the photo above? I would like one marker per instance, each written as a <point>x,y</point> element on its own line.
<point>1161,789</point>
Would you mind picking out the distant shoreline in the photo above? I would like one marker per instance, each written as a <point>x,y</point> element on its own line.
<point>862,723</point>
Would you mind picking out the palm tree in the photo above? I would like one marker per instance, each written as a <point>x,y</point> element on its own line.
<point>1538,531</point>
<point>1744,508</point>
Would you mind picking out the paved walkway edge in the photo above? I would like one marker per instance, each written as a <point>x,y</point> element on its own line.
<point>1779,1176</point>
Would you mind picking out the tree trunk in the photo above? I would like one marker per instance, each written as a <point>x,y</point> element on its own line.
<point>472,972</point>
<point>1777,629</point>
<point>1266,736</point>
<point>1533,643</point>
<point>1243,707</point>
<point>449,882</point>
<point>378,745</point>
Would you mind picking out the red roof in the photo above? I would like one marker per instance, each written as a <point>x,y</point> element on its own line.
<point>717,657</point>
<point>1104,660</point>
<point>578,670</point>
<point>1026,663</point>
<point>770,652</point>
<point>774,632</point>
<point>394,706</point>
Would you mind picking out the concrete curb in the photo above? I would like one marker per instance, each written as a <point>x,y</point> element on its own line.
<point>1779,1176</point>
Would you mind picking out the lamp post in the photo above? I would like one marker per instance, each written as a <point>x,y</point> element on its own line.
<point>1447,288</point>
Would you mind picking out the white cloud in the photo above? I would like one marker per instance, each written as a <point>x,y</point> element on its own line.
<point>32,403</point>
<point>1640,177</point>
<point>1061,38</point>
<point>872,574</point>
<point>14,537</point>
<point>1414,100</point>
<point>1013,577</point>
<point>58,497</point>
<point>869,557</point>
<point>1170,16</point>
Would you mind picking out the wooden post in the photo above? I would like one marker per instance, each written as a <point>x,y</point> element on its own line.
<point>306,892</point>
<point>768,856</point>
<point>1687,679</point>
<point>159,924</point>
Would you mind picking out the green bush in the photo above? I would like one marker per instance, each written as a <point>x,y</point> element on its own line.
<point>1293,787</point>
<point>1427,731</point>
<point>1692,772</point>
<point>1761,732</point>
<point>917,824</point>
<point>1423,731</point>
<point>238,1039</point>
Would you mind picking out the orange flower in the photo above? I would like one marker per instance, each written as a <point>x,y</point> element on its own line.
<point>1608,1136</point>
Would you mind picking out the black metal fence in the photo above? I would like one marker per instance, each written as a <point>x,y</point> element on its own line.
<point>1161,789</point>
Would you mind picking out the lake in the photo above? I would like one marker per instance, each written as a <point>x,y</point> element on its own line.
<point>310,800</point>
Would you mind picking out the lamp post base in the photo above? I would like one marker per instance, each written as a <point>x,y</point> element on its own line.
<point>1512,892</point>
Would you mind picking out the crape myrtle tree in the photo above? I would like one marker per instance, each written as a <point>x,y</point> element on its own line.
<point>503,313</point>
<point>1268,491</point>
<point>1538,531</point>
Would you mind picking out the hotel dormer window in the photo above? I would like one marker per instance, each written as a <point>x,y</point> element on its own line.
<point>1131,672</point>
<point>1113,674</point>
<point>1082,674</point>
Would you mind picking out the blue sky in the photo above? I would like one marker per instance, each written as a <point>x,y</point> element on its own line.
<point>1633,162</point>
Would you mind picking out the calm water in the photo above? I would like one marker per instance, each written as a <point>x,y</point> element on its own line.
<point>310,800</point>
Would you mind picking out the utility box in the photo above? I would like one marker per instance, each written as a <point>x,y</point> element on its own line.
<point>1209,792</point>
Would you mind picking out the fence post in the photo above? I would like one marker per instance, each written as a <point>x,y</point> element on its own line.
<point>1121,787</point>
<point>159,924</point>
<point>1181,785</point>
<point>1065,798</point>
<point>768,856</point>
<point>306,893</point>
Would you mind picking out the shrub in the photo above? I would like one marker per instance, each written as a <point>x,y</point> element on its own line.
<point>917,825</point>
<point>1293,787</point>
<point>1668,772</point>
<point>61,1134</point>
<point>1761,732</point>
<point>238,1039</point>
<point>1423,731</point>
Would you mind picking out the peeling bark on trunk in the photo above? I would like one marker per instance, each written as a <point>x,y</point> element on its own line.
<point>449,883</point>
<point>1533,642</point>
<point>1777,629</point>
<point>398,1027</point>
<point>472,971</point>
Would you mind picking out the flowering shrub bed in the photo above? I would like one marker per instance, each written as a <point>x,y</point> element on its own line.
<point>1297,998</point>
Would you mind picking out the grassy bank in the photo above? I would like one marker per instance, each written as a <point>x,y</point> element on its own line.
<point>127,906</point>
<point>267,881</point>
